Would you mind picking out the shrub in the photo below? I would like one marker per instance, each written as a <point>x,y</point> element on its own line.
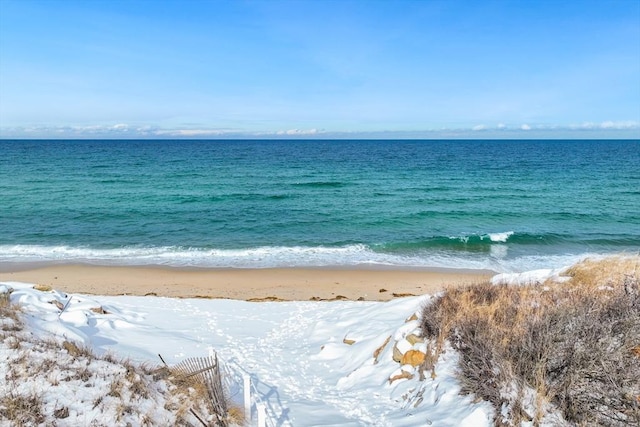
<point>575,346</point>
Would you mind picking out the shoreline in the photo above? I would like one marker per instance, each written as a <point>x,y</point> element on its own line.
<point>368,283</point>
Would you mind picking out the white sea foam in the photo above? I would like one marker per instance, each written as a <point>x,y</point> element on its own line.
<point>281,256</point>
<point>494,237</point>
<point>500,237</point>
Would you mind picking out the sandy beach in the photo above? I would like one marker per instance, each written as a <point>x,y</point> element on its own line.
<point>289,284</point>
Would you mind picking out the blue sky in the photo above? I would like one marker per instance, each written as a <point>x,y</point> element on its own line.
<point>269,68</point>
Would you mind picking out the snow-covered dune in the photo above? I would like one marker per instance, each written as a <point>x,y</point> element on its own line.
<point>311,363</point>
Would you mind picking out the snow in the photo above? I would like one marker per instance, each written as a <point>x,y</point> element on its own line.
<point>533,277</point>
<point>300,367</point>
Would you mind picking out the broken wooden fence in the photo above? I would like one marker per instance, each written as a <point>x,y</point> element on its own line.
<point>205,371</point>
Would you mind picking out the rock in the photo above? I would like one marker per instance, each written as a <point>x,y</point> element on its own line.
<point>57,304</point>
<point>347,341</point>
<point>412,317</point>
<point>400,348</point>
<point>43,288</point>
<point>397,356</point>
<point>399,376</point>
<point>413,358</point>
<point>99,310</point>
<point>413,338</point>
<point>378,350</point>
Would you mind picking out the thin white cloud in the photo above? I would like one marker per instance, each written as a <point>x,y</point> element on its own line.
<point>191,132</point>
<point>606,129</point>
<point>620,125</point>
<point>297,132</point>
<point>607,125</point>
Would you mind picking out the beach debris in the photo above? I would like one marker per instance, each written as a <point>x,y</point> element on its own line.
<point>402,295</point>
<point>270,298</point>
<point>42,288</point>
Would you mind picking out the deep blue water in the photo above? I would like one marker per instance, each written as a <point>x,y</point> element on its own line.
<point>503,205</point>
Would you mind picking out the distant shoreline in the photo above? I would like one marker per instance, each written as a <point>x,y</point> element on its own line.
<point>268,284</point>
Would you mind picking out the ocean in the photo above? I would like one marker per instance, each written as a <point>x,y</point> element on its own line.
<point>483,204</point>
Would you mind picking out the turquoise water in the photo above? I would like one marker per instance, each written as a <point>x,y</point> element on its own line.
<point>502,205</point>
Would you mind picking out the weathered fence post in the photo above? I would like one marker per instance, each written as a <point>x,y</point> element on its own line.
<point>262,415</point>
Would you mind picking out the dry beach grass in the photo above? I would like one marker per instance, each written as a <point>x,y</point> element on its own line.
<point>572,346</point>
<point>107,390</point>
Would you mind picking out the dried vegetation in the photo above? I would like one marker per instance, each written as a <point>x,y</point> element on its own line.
<point>104,389</point>
<point>556,353</point>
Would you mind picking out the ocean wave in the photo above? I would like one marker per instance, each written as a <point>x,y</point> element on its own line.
<point>500,237</point>
<point>283,257</point>
<point>474,242</point>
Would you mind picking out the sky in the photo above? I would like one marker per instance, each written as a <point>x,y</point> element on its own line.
<point>320,69</point>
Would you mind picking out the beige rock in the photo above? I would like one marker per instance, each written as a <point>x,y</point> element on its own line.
<point>397,354</point>
<point>413,338</point>
<point>43,288</point>
<point>411,318</point>
<point>413,358</point>
<point>99,310</point>
<point>347,341</point>
<point>378,350</point>
<point>400,376</point>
